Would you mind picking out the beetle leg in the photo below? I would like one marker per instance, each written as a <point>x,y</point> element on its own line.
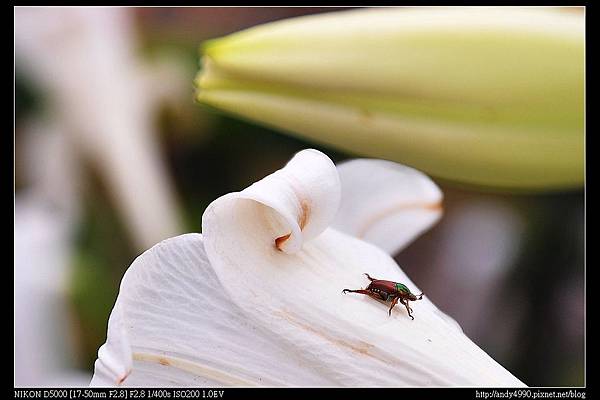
<point>369,278</point>
<point>392,306</point>
<point>367,292</point>
<point>407,308</point>
<point>361,291</point>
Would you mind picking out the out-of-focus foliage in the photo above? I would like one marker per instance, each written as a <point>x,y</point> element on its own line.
<point>27,98</point>
<point>102,253</point>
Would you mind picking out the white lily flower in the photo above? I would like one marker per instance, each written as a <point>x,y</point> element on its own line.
<point>256,300</point>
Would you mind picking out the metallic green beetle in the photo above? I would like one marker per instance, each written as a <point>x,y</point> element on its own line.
<point>388,290</point>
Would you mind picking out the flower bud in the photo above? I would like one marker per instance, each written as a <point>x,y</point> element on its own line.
<point>481,96</point>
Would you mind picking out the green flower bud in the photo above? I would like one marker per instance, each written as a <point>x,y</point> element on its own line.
<point>483,96</point>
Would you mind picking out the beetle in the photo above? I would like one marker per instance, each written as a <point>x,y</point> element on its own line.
<point>388,290</point>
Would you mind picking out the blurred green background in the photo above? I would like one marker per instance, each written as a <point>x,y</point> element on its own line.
<point>508,268</point>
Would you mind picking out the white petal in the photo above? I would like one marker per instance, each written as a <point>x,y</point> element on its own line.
<point>183,329</point>
<point>114,361</point>
<point>238,307</point>
<point>349,340</point>
<point>386,203</point>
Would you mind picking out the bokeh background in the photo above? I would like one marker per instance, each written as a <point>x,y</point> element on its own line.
<point>112,155</point>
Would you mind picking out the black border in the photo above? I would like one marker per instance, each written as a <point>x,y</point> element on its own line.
<point>329,393</point>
